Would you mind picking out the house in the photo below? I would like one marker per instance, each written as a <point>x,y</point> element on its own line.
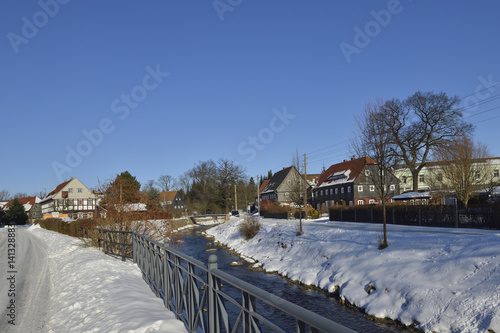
<point>31,205</point>
<point>431,177</point>
<point>351,183</point>
<point>281,185</point>
<point>70,199</point>
<point>172,200</point>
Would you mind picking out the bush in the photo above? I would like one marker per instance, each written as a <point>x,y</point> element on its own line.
<point>250,227</point>
<point>73,228</point>
<point>313,213</point>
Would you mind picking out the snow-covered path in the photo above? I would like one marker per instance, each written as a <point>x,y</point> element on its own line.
<point>61,286</point>
<point>31,277</point>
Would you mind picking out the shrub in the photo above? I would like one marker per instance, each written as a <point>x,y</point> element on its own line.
<point>250,227</point>
<point>313,213</point>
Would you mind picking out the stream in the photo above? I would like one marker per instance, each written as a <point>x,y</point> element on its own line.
<point>196,245</point>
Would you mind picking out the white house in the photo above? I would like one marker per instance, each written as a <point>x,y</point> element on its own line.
<point>70,198</point>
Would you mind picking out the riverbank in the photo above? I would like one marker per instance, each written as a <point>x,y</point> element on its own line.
<point>437,280</point>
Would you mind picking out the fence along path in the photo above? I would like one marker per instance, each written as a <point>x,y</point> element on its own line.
<point>206,298</point>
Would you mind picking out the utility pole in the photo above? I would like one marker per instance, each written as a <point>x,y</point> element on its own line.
<point>235,198</point>
<point>305,186</point>
<point>258,195</point>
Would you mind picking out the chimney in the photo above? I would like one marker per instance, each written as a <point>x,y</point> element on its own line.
<point>345,161</point>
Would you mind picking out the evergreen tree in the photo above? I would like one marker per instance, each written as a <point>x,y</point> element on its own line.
<point>16,213</point>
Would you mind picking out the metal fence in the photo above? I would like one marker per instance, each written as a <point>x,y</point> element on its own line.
<point>429,216</point>
<point>209,300</point>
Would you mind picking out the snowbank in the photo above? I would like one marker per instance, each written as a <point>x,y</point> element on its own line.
<point>438,280</point>
<point>92,292</point>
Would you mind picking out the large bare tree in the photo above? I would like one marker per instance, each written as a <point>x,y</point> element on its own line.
<point>421,123</point>
<point>374,139</point>
<point>165,183</point>
<point>464,166</point>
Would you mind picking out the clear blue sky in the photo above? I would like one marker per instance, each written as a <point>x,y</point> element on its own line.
<point>161,85</point>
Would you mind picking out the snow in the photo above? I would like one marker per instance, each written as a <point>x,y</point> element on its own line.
<point>412,195</point>
<point>64,287</point>
<point>439,280</point>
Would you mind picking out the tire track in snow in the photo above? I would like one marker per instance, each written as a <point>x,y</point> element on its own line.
<point>32,282</point>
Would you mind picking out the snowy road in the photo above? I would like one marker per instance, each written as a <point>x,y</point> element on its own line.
<point>58,285</point>
<point>27,289</point>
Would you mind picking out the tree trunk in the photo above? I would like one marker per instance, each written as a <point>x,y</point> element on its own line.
<point>414,176</point>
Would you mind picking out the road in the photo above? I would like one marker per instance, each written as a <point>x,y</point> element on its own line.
<point>26,284</point>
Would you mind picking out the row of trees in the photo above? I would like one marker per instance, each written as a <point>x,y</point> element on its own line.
<point>210,186</point>
<point>415,131</point>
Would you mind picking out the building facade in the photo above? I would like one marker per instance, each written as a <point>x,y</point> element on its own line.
<point>352,183</point>
<point>70,198</point>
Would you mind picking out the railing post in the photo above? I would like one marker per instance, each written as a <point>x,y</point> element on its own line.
<point>122,240</point>
<point>167,286</point>
<point>134,247</point>
<point>212,307</point>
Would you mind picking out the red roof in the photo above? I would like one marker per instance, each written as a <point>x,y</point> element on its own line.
<point>23,201</point>
<point>168,196</point>
<point>59,187</point>
<point>356,166</point>
<point>263,186</point>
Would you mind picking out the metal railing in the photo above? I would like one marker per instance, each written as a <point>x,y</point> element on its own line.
<point>207,299</point>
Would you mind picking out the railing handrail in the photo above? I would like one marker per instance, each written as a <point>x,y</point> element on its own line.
<point>203,307</point>
<point>307,316</point>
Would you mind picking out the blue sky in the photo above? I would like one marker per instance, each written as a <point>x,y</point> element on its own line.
<point>94,88</point>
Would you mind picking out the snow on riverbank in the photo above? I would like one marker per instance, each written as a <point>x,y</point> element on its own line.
<point>440,280</point>
<point>92,292</point>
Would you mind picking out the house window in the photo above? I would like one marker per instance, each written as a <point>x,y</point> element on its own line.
<point>372,188</point>
<point>360,188</point>
<point>496,173</point>
<point>361,202</point>
<point>289,182</point>
<point>342,190</point>
<point>331,191</point>
<point>70,190</point>
<point>392,187</point>
<point>367,173</point>
<point>404,179</point>
<point>337,190</point>
<point>80,190</point>
<point>372,202</point>
<point>287,194</point>
<point>349,189</point>
<point>440,177</point>
<point>321,192</point>
<point>421,178</point>
<point>478,175</point>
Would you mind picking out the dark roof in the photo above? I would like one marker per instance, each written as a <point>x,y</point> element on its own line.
<point>276,180</point>
<point>355,166</point>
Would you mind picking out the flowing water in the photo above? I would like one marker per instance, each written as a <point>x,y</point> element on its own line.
<point>195,245</point>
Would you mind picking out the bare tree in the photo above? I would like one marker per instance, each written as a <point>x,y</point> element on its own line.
<point>165,182</point>
<point>374,140</point>
<point>297,189</point>
<point>421,123</point>
<point>148,186</point>
<point>465,167</point>
<point>4,195</point>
